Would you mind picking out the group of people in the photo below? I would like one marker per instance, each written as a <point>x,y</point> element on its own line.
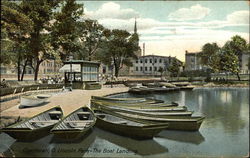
<point>51,80</point>
<point>3,84</point>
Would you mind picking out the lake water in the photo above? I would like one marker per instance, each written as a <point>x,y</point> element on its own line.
<point>224,132</point>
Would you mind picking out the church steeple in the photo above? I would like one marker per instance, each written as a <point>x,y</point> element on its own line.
<point>135,27</point>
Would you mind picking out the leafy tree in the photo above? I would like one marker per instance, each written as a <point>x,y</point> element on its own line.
<point>118,50</point>
<point>16,27</point>
<point>229,62</point>
<point>209,56</point>
<point>235,47</point>
<point>66,29</point>
<point>174,67</point>
<point>161,70</point>
<point>93,37</point>
<point>41,13</point>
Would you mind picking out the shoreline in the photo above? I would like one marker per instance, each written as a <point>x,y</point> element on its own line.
<point>69,101</point>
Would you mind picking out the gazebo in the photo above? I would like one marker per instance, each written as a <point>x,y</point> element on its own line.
<point>79,73</point>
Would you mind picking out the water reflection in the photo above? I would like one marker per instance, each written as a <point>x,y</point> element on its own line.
<point>141,147</point>
<point>222,107</point>
<point>183,136</point>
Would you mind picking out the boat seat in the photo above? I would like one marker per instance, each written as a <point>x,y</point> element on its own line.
<point>79,121</point>
<point>55,113</point>
<point>49,121</point>
<point>83,113</point>
<point>120,122</point>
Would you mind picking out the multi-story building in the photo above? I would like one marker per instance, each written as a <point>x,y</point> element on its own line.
<point>193,61</point>
<point>244,59</point>
<point>50,67</point>
<point>47,68</point>
<point>151,64</point>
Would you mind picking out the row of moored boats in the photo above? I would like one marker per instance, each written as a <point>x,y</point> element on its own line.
<point>140,118</point>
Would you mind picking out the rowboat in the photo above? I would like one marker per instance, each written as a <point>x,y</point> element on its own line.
<point>189,123</point>
<point>126,127</point>
<point>153,114</point>
<point>136,105</point>
<point>33,100</point>
<point>75,125</point>
<point>146,90</point>
<point>36,126</point>
<point>127,100</point>
<point>142,108</point>
<point>93,86</point>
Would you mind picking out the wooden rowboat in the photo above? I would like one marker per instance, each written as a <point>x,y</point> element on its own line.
<point>153,114</point>
<point>126,127</point>
<point>36,126</point>
<point>33,100</point>
<point>125,100</point>
<point>75,125</point>
<point>188,123</point>
<point>142,108</point>
<point>147,90</point>
<point>138,105</point>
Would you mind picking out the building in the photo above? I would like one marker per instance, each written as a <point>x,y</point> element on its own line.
<point>46,68</point>
<point>50,67</point>
<point>151,64</point>
<point>193,61</point>
<point>244,59</point>
<point>78,72</point>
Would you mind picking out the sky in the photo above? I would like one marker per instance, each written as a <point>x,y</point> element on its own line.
<point>169,28</point>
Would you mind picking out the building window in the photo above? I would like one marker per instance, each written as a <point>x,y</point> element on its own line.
<point>146,60</point>
<point>146,68</point>
<point>159,60</point>
<point>155,60</point>
<point>150,60</point>
<point>141,61</point>
<point>136,61</point>
<point>155,68</point>
<point>150,68</point>
<point>136,68</point>
<point>141,68</point>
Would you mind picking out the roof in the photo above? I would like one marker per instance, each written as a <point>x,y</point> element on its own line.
<point>68,68</point>
<point>81,62</point>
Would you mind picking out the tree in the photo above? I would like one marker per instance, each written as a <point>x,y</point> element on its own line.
<point>161,70</point>
<point>229,62</point>
<point>235,47</point>
<point>118,50</point>
<point>67,29</point>
<point>209,55</point>
<point>174,67</point>
<point>16,27</point>
<point>41,13</point>
<point>92,37</point>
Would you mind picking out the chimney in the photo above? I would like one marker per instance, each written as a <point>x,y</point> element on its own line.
<point>143,49</point>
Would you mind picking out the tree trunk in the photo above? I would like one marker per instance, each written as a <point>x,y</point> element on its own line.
<point>238,76</point>
<point>37,69</point>
<point>116,70</point>
<point>24,68</point>
<point>18,69</point>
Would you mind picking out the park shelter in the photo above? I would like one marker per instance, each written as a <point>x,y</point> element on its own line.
<point>80,72</point>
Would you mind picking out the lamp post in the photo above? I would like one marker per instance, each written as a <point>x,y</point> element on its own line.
<point>71,76</point>
<point>112,73</point>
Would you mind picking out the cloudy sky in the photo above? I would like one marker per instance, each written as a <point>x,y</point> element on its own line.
<point>171,27</point>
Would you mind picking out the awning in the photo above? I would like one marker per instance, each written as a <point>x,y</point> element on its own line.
<point>66,68</point>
